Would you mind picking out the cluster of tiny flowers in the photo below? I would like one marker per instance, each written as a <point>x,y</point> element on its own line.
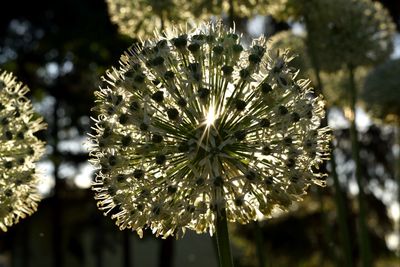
<point>344,32</point>
<point>139,18</point>
<point>19,150</point>
<point>381,91</point>
<point>194,123</point>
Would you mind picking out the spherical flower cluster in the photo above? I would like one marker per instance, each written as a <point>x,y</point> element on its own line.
<point>194,123</point>
<point>381,91</point>
<point>19,150</point>
<point>347,32</point>
<point>139,18</point>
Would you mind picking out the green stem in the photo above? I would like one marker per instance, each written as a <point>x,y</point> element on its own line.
<point>231,14</point>
<point>397,223</point>
<point>258,235</point>
<point>326,251</point>
<point>215,246</point>
<point>342,215</point>
<point>362,222</point>
<point>339,200</point>
<point>313,59</point>
<point>398,159</point>
<point>127,248</point>
<point>224,248</point>
<point>162,26</point>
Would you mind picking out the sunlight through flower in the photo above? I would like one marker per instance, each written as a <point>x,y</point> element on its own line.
<point>195,122</point>
<point>210,118</point>
<point>19,151</point>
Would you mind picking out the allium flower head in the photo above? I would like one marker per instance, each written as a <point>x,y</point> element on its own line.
<point>19,150</point>
<point>381,91</point>
<point>139,18</point>
<point>346,32</point>
<point>194,123</point>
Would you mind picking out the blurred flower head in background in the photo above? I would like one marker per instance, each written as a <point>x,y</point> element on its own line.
<point>343,32</point>
<point>19,151</point>
<point>194,122</point>
<point>335,84</point>
<point>296,43</point>
<point>381,91</point>
<point>140,18</point>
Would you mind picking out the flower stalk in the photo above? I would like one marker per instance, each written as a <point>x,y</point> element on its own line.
<point>398,160</point>
<point>363,237</point>
<point>342,215</point>
<point>397,173</point>
<point>260,246</point>
<point>231,12</point>
<point>339,201</point>
<point>223,243</point>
